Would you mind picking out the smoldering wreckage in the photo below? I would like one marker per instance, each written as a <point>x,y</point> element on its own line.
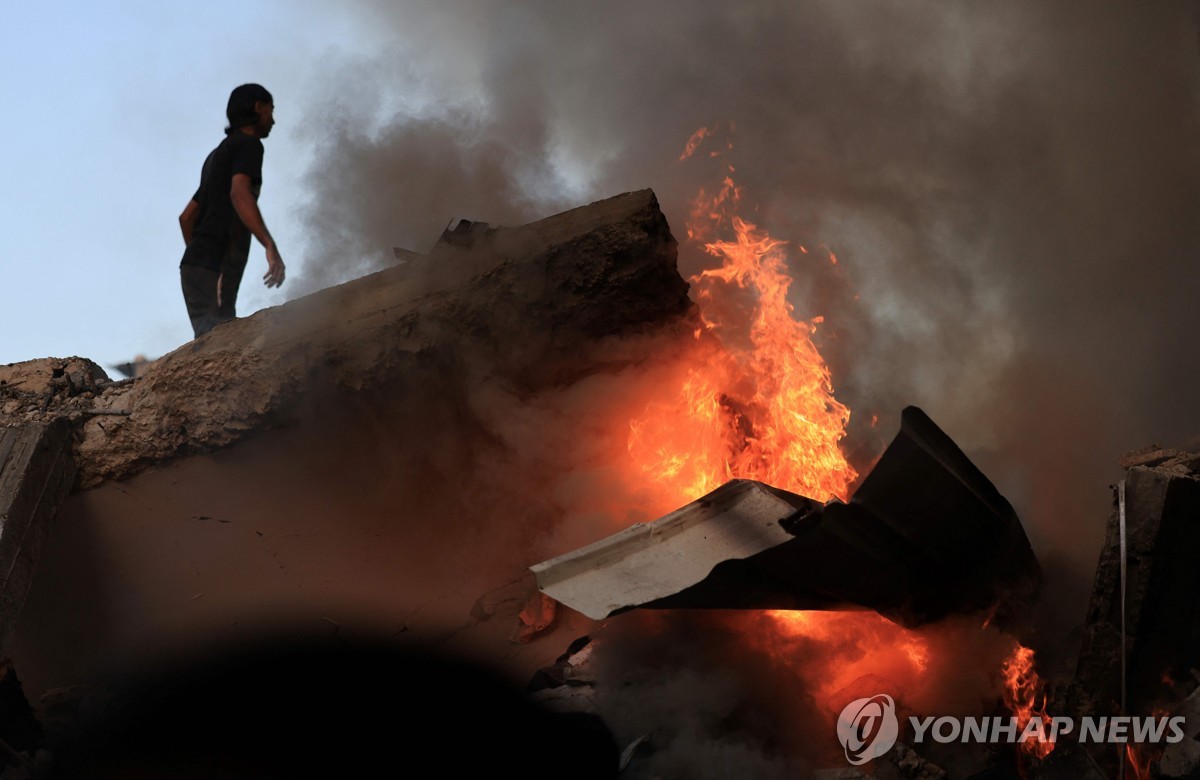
<point>291,469</point>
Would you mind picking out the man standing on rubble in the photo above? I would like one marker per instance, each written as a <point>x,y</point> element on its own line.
<point>220,218</point>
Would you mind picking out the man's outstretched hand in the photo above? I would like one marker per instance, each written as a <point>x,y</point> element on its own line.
<point>275,271</point>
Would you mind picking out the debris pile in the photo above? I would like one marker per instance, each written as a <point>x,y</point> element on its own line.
<point>1146,586</point>
<point>174,536</point>
<point>924,537</point>
<point>48,389</point>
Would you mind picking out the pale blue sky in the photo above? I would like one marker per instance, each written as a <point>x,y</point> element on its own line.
<point>108,112</point>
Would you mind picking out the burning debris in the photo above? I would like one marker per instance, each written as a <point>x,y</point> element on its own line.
<point>1089,734</point>
<point>925,536</point>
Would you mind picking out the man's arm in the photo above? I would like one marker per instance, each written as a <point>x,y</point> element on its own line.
<point>247,210</point>
<point>187,220</point>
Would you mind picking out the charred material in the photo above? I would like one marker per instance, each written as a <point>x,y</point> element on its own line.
<point>1161,640</point>
<point>925,535</point>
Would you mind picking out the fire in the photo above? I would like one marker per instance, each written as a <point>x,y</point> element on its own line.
<point>853,646</point>
<point>757,399</point>
<point>1024,695</point>
<point>753,399</point>
<point>1139,760</point>
<point>1139,757</point>
<point>693,142</point>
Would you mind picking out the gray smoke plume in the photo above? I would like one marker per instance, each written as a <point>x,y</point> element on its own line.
<point>1010,190</point>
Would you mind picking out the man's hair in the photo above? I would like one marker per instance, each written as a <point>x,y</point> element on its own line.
<point>240,111</point>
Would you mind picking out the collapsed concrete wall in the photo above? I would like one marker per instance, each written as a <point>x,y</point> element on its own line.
<point>318,463</point>
<point>552,285</point>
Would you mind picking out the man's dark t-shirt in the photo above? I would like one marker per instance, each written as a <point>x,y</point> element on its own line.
<point>219,239</point>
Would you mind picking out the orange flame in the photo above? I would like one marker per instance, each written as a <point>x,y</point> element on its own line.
<point>1140,758</point>
<point>753,399</point>
<point>757,402</point>
<point>856,645</point>
<point>1024,695</point>
<point>693,142</point>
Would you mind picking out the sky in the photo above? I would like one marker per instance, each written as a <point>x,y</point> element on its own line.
<point>1010,189</point>
<point>110,110</point>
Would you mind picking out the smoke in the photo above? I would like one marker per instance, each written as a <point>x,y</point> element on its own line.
<point>732,694</point>
<point>1010,191</point>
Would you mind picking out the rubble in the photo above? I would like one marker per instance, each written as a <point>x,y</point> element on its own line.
<point>926,535</point>
<point>36,472</point>
<point>317,515</point>
<point>48,389</point>
<point>569,669</point>
<point>536,618</point>
<point>911,765</point>
<point>1161,612</point>
<point>598,270</point>
<point>1151,455</point>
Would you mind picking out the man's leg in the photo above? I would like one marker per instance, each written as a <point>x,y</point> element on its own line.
<point>200,296</point>
<point>231,280</point>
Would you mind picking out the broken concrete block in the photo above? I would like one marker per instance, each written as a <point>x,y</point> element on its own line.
<point>1161,611</point>
<point>531,296</point>
<point>1146,456</point>
<point>49,376</point>
<point>36,472</point>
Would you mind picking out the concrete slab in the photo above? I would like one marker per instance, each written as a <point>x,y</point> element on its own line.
<point>36,473</point>
<point>650,561</point>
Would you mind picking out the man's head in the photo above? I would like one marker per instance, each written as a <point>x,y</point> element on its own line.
<point>252,106</point>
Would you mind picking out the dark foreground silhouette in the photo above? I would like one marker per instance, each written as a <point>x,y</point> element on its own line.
<point>287,710</point>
